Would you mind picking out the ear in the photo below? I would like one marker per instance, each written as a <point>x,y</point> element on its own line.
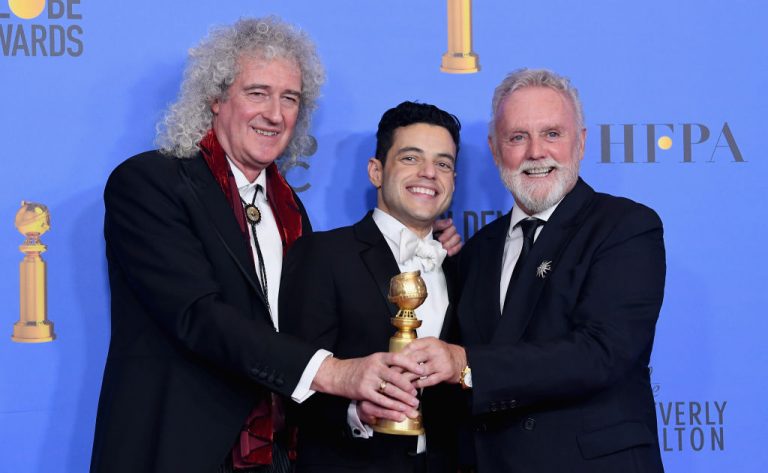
<point>215,106</point>
<point>492,146</point>
<point>375,170</point>
<point>582,143</point>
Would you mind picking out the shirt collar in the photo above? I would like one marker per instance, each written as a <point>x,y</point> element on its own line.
<point>518,215</point>
<point>391,227</point>
<point>242,183</point>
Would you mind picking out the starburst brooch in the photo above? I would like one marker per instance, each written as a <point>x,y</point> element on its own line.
<point>543,269</point>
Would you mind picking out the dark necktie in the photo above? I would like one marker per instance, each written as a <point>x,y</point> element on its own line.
<point>528,226</point>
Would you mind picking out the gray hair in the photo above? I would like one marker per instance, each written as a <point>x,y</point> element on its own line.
<point>520,78</point>
<point>212,68</point>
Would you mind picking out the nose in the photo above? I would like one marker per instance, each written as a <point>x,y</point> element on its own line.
<point>273,111</point>
<point>427,169</point>
<point>536,148</point>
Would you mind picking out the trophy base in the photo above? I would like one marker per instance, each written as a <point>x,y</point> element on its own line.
<point>33,332</point>
<point>407,427</point>
<point>460,63</point>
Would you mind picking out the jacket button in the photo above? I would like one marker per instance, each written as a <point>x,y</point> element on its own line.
<point>481,428</point>
<point>529,424</point>
<point>271,378</point>
<point>512,403</point>
<point>279,382</point>
<point>262,375</point>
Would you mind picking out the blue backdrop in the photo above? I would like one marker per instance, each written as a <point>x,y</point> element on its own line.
<point>84,82</point>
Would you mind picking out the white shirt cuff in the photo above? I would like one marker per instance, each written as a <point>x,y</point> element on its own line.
<point>359,430</point>
<point>303,391</point>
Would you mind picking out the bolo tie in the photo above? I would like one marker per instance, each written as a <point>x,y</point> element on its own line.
<point>253,215</point>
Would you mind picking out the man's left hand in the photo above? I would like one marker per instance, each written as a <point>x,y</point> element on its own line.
<point>440,361</point>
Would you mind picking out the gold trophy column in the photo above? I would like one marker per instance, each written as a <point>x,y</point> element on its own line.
<point>32,220</point>
<point>407,291</point>
<point>459,59</point>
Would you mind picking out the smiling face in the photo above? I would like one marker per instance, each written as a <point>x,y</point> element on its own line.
<point>415,183</point>
<point>537,146</point>
<point>256,120</point>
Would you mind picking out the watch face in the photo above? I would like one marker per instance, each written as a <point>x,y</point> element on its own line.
<point>466,378</point>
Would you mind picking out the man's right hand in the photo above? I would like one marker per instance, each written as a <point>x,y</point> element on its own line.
<point>362,379</point>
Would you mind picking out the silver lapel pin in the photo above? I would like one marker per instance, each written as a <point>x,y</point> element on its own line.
<point>543,269</point>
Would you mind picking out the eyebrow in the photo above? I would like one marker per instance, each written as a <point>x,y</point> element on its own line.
<point>414,149</point>
<point>269,87</point>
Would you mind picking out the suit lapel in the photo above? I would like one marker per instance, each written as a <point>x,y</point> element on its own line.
<point>208,195</point>
<point>450,271</point>
<point>545,253</point>
<point>485,275</point>
<point>377,257</point>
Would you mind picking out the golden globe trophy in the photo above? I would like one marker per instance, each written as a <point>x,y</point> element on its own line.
<point>407,291</point>
<point>460,59</point>
<point>32,220</point>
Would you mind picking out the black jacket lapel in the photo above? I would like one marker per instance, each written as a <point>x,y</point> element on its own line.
<point>206,191</point>
<point>482,277</point>
<point>541,261</point>
<point>377,257</point>
<point>449,332</point>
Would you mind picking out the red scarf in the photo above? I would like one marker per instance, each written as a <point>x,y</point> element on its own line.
<point>281,199</point>
<point>255,443</point>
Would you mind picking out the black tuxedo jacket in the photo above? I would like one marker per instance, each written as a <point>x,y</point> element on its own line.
<point>561,379</point>
<point>193,348</point>
<point>334,294</point>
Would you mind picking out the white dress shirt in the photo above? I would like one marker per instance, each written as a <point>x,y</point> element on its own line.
<point>513,245</point>
<point>272,249</point>
<point>431,312</point>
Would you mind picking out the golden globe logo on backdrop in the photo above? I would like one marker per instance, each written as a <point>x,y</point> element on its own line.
<point>41,28</point>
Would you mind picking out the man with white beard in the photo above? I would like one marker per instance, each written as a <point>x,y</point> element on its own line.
<point>559,303</point>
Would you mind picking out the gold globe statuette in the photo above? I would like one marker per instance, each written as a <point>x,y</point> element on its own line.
<point>32,220</point>
<point>407,291</point>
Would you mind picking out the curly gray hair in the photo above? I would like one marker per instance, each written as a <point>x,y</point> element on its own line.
<point>520,78</point>
<point>212,68</point>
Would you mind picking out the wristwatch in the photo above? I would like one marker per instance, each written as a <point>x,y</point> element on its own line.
<point>465,378</point>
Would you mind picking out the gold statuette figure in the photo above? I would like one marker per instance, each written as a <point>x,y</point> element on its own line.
<point>460,59</point>
<point>32,220</point>
<point>407,291</point>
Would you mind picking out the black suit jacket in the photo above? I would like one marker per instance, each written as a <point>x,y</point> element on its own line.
<point>193,348</point>
<point>334,294</point>
<point>561,379</point>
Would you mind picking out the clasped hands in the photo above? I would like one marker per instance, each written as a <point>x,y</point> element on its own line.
<point>385,384</point>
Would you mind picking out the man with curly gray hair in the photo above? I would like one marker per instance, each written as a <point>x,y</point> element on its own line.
<point>195,236</point>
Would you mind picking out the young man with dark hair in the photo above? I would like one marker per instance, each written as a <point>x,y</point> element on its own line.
<point>334,295</point>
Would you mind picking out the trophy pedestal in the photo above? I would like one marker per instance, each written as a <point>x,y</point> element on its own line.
<point>407,427</point>
<point>460,63</point>
<point>33,332</point>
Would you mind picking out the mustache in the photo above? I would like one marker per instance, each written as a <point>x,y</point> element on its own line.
<point>538,164</point>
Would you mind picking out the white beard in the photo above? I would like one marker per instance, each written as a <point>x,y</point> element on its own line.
<point>536,196</point>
